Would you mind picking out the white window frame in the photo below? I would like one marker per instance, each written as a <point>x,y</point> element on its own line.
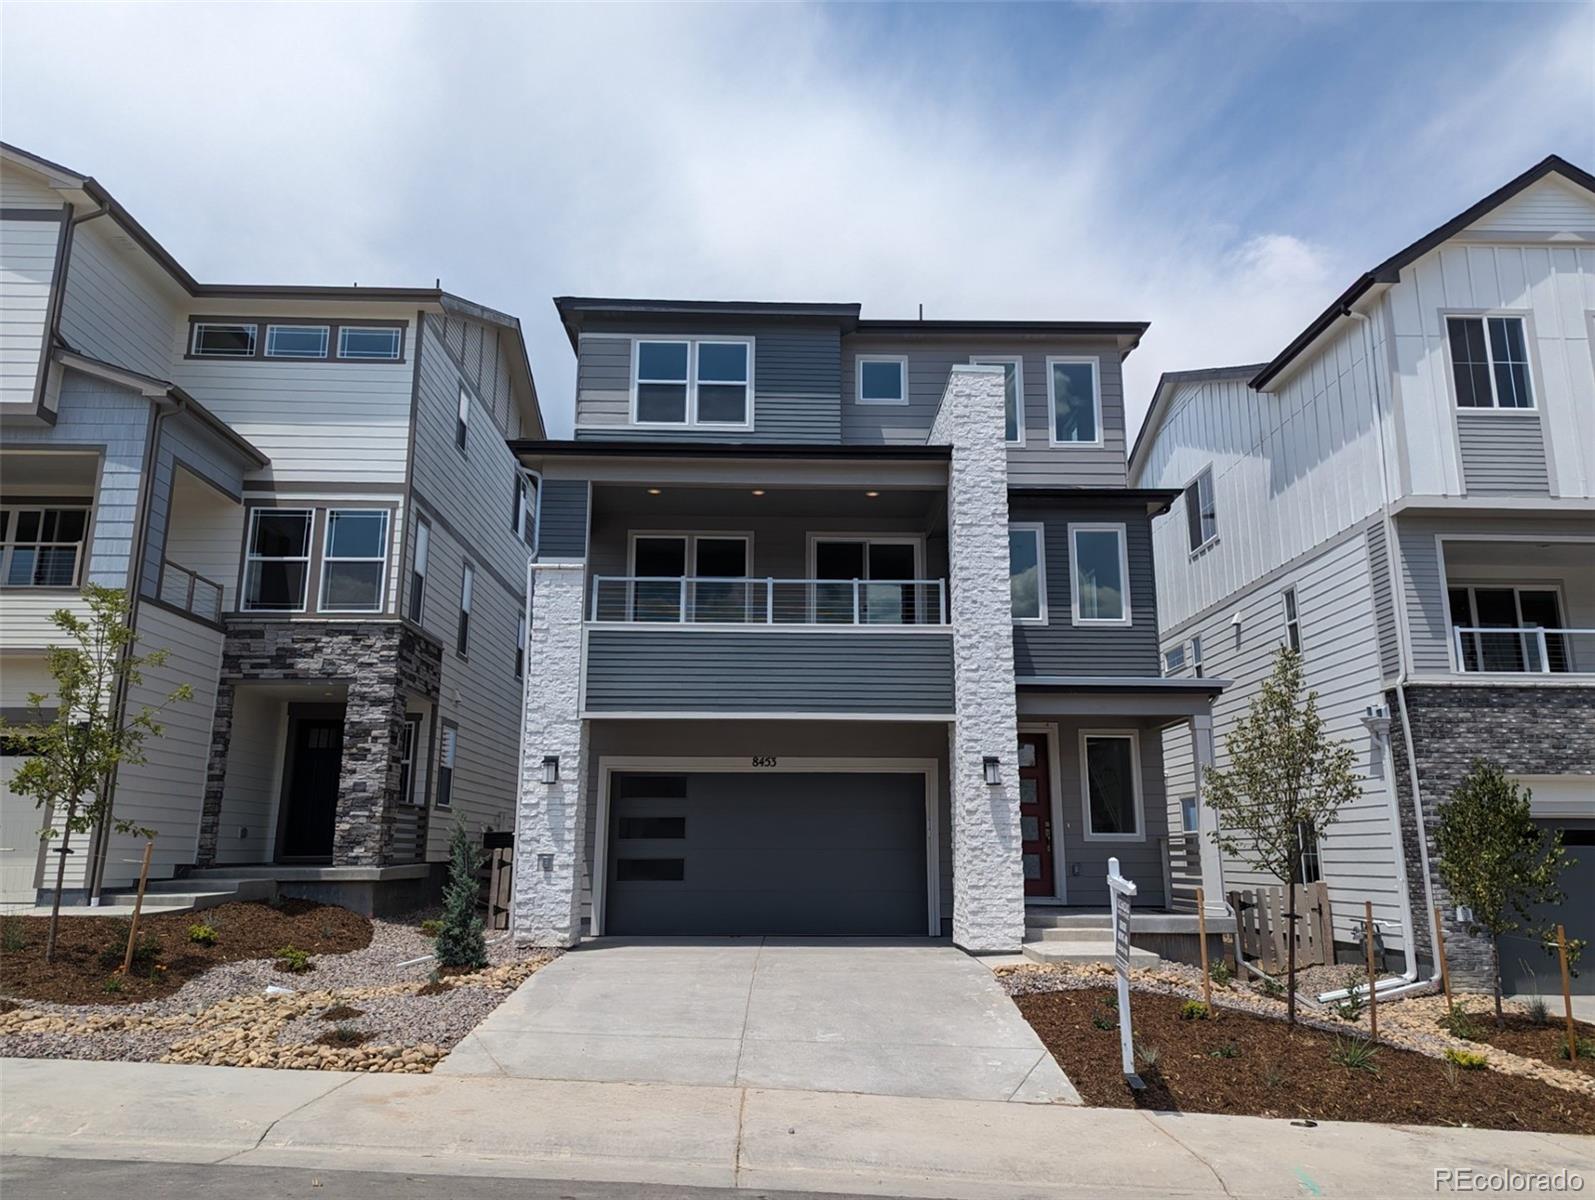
<point>858,379</point>
<point>1212,491</point>
<point>462,421</point>
<point>9,542</point>
<point>1052,398</point>
<point>448,760</point>
<point>1484,318</point>
<point>419,556</point>
<point>1517,588</point>
<point>1290,609</point>
<point>462,628</point>
<point>1133,736</point>
<point>398,343</point>
<point>1196,655</point>
<point>324,330</point>
<point>250,556</point>
<point>689,556</point>
<point>193,338</point>
<point>1038,530</point>
<point>1124,575</point>
<point>1017,361</point>
<point>327,559</point>
<point>1171,667</point>
<point>692,343</point>
<point>520,646</point>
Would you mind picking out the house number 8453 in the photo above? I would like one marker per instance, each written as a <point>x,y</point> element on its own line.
<point>764,760</point>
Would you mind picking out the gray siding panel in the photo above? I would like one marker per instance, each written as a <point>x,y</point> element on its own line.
<point>1503,454</point>
<point>1425,598</point>
<point>1384,607</point>
<point>563,513</point>
<point>645,670</point>
<point>183,441</point>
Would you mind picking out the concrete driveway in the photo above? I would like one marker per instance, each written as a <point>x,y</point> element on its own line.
<point>829,1015</point>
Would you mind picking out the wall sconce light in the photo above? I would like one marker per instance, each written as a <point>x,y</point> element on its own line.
<point>993,770</point>
<point>551,768</point>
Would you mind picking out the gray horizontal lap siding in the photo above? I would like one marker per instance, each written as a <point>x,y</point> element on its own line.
<point>1503,454</point>
<point>562,510</point>
<point>184,442</point>
<point>1384,607</point>
<point>648,670</point>
<point>1062,648</point>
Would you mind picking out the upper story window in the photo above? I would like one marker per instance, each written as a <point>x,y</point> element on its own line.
<point>882,379</point>
<point>1174,659</point>
<point>423,543</point>
<point>1292,620</point>
<point>296,341</point>
<point>1201,511</point>
<point>1099,575</point>
<point>308,340</point>
<point>1490,362</point>
<point>1013,386</point>
<point>520,646</point>
<point>42,547</point>
<point>462,632</point>
<point>703,381</point>
<point>354,560</point>
<point>223,341</point>
<point>1196,655</point>
<point>1075,402</point>
<point>277,560</point>
<point>382,343</point>
<point>1027,582</point>
<point>462,419</point>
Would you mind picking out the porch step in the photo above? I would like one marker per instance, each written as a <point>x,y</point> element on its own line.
<point>1043,919</point>
<point>1069,933</point>
<point>190,895</point>
<point>1084,949</point>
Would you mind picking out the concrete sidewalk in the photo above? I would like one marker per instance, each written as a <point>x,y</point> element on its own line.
<point>724,1136</point>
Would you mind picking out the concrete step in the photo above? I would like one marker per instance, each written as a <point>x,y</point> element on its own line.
<point>1068,920</point>
<point>239,889</point>
<point>1070,933</point>
<point>1084,951</point>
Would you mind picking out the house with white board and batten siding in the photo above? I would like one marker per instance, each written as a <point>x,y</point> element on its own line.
<point>1406,494</point>
<point>308,495</point>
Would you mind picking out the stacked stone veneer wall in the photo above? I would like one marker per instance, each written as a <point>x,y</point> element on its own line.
<point>1527,730</point>
<point>988,871</point>
<point>380,663</point>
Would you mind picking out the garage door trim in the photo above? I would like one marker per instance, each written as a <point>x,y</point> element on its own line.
<point>775,765</point>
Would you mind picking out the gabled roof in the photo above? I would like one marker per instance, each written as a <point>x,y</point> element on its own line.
<point>1163,395</point>
<point>1389,271</point>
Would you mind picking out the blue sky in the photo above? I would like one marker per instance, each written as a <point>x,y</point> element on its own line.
<point>1220,170</point>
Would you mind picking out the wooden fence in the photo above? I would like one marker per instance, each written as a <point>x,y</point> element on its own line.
<point>1261,922</point>
<point>498,876</point>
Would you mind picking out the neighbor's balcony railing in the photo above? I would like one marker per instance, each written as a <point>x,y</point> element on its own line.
<point>715,601</point>
<point>1527,650</point>
<point>40,564</point>
<point>191,591</point>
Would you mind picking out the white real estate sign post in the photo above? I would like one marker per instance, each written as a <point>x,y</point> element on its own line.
<point>1121,890</point>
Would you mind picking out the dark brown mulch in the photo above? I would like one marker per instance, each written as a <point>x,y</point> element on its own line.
<point>1547,1042</point>
<point>342,1012</point>
<point>89,949</point>
<point>343,1037</point>
<point>1241,1064</point>
<point>435,987</point>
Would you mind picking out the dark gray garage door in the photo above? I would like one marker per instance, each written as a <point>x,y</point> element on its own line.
<point>1525,965</point>
<point>794,854</point>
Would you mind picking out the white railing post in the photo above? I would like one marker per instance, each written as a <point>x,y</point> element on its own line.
<point>856,583</point>
<point>941,599</point>
<point>1545,658</point>
<point>597,581</point>
<point>1456,635</point>
<point>681,615</point>
<point>769,601</point>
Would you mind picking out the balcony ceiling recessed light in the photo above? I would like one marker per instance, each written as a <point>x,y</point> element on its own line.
<point>653,491</point>
<point>872,495</point>
<point>758,491</point>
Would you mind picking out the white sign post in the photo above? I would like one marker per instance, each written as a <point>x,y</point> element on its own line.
<point>1121,889</point>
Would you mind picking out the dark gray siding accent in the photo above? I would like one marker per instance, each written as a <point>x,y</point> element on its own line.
<point>1062,648</point>
<point>1503,454</point>
<point>1429,632</point>
<point>563,513</point>
<point>647,670</point>
<point>1384,605</point>
<point>183,441</point>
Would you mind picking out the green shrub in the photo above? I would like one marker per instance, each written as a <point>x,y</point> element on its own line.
<point>112,985</point>
<point>1111,1000</point>
<point>431,927</point>
<point>460,942</point>
<point>1537,1011</point>
<point>294,960</point>
<point>1148,1054</point>
<point>203,934</point>
<point>1221,973</point>
<point>1460,1023</point>
<point>1227,1050</point>
<point>1104,1020</point>
<point>1356,1000</point>
<point>1356,1054</point>
<point>11,936</point>
<point>1468,1060</point>
<point>1271,987</point>
<point>1194,1010</point>
<point>146,952</point>
<point>1586,1048</point>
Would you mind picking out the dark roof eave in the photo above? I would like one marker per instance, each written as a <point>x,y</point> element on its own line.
<point>572,308</point>
<point>599,448</point>
<point>1157,500</point>
<point>1108,683</point>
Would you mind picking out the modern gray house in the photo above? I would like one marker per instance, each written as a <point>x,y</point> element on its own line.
<point>1406,494</point>
<point>844,627</point>
<point>308,495</point>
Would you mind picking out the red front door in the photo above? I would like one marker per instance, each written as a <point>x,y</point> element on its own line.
<point>1035,815</point>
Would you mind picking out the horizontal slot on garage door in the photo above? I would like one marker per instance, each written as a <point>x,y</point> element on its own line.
<point>651,787</point>
<point>650,870</point>
<point>652,827</point>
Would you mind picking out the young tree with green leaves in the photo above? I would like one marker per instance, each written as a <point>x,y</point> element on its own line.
<point>1498,863</point>
<point>1285,776</point>
<point>460,942</point>
<point>73,756</point>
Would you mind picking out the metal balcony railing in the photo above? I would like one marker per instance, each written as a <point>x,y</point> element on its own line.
<point>40,564</point>
<point>190,591</point>
<point>690,600</point>
<point>1526,650</point>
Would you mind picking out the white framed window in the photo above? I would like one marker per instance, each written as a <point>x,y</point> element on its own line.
<point>409,739</point>
<point>880,379</point>
<point>884,566</point>
<point>1292,619</point>
<point>371,343</point>
<point>1013,385</point>
<point>296,341</point>
<point>42,547</point>
<point>692,382</point>
<point>354,560</point>
<point>448,751</point>
<point>1196,655</point>
<point>462,420</point>
<point>1027,572</point>
<point>423,544</point>
<point>462,633</point>
<point>1110,786</point>
<point>1190,817</point>
<point>223,340</point>
<point>520,646</point>
<point>1312,867</point>
<point>661,564</point>
<point>1201,511</point>
<point>1523,614</point>
<point>1099,575</point>
<point>277,560</point>
<point>1074,402</point>
<point>1490,362</point>
<point>1174,660</point>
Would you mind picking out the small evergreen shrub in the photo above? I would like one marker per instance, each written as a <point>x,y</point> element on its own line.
<point>1221,973</point>
<point>1468,1060</point>
<point>294,960</point>
<point>114,986</point>
<point>431,927</point>
<point>1104,1020</point>
<point>1271,987</point>
<point>1194,1010</point>
<point>1538,1011</point>
<point>1586,1048</point>
<point>11,936</point>
<point>1460,1023</point>
<point>1351,1007</point>
<point>202,934</point>
<point>460,943</point>
<point>1227,1050</point>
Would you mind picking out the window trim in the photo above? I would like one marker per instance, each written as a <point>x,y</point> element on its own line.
<point>462,629</point>
<point>520,645</point>
<point>8,542</point>
<point>398,349</point>
<point>689,556</point>
<point>1133,736</point>
<point>1038,530</point>
<point>1212,491</point>
<point>326,339</point>
<point>262,327</point>
<point>1173,668</point>
<point>1290,609</point>
<point>448,745</point>
<point>690,414</point>
<point>420,552</point>
<point>194,328</point>
<point>407,764</point>
<point>327,559</point>
<point>1484,316</point>
<point>1075,618</point>
<point>1018,361</point>
<point>462,422</point>
<point>1095,364</point>
<point>1196,656</point>
<point>1517,587</point>
<point>858,379</point>
<point>308,558</point>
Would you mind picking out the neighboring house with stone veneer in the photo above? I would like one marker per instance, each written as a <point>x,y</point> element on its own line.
<point>1407,494</point>
<point>842,626</point>
<point>308,494</point>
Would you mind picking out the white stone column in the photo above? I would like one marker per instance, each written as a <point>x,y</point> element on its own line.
<point>988,872</point>
<point>1206,819</point>
<point>551,819</point>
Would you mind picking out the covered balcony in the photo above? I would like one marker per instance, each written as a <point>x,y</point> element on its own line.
<point>1519,608</point>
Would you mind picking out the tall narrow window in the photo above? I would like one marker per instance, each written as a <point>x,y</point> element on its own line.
<point>1196,655</point>
<point>1013,387</point>
<point>1099,575</point>
<point>520,646</point>
<point>448,751</point>
<point>423,543</point>
<point>521,509</point>
<point>1027,585</point>
<point>662,382</point>
<point>462,420</point>
<point>354,559</point>
<point>1490,362</point>
<point>1112,786</point>
<point>277,560</point>
<point>409,739</point>
<point>1312,870</point>
<point>1292,620</point>
<point>462,637</point>
<point>882,379</point>
<point>1201,513</point>
<point>1075,402</point>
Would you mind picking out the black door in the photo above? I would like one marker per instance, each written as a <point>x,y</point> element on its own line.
<point>315,759</point>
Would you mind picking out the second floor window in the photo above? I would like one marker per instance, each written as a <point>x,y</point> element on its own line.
<point>1292,620</point>
<point>882,379</point>
<point>462,419</point>
<point>354,559</point>
<point>296,341</point>
<point>462,636</point>
<point>1196,655</point>
<point>217,340</point>
<point>1490,362</point>
<point>1013,386</point>
<point>1027,585</point>
<point>1074,401</point>
<point>423,543</point>
<point>692,382</point>
<point>1201,511</point>
<point>1174,660</point>
<point>277,560</point>
<point>371,343</point>
<point>1099,573</point>
<point>520,646</point>
<point>42,547</point>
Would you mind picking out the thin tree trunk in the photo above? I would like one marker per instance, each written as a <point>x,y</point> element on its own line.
<point>1495,963</point>
<point>1290,952</point>
<point>60,882</point>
